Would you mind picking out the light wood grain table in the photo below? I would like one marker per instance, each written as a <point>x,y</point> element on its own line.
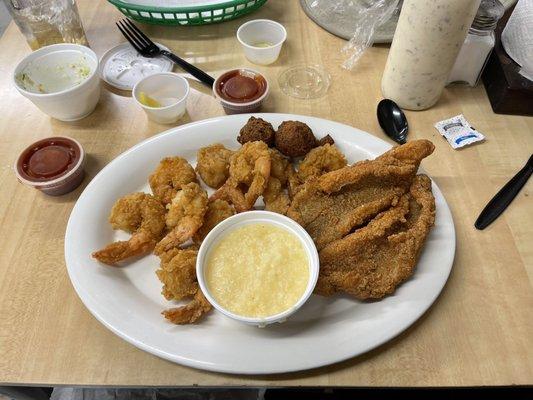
<point>480,330</point>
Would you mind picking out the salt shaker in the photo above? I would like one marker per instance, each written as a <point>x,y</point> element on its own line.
<point>478,44</point>
<point>428,37</point>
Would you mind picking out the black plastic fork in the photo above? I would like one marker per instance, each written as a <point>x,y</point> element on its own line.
<point>149,49</point>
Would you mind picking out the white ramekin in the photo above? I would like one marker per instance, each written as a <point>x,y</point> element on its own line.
<point>249,217</point>
<point>163,84</point>
<point>71,104</point>
<point>261,30</point>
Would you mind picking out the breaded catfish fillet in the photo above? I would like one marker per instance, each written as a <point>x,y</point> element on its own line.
<point>333,205</point>
<point>371,262</point>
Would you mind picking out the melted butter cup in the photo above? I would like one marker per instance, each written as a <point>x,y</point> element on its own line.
<point>53,165</point>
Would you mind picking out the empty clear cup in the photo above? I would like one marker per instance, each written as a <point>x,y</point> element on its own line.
<point>261,40</point>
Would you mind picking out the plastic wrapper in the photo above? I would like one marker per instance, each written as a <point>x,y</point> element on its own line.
<point>365,15</point>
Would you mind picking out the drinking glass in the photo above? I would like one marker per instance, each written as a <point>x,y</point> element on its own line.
<point>45,22</point>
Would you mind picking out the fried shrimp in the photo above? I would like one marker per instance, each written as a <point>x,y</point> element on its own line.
<point>280,166</point>
<point>177,272</point>
<point>213,164</point>
<point>143,216</point>
<point>320,160</point>
<point>275,194</point>
<point>171,175</point>
<point>185,216</point>
<point>189,313</point>
<point>217,211</point>
<point>249,171</point>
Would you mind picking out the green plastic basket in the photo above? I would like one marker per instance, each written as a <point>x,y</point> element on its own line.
<point>195,15</point>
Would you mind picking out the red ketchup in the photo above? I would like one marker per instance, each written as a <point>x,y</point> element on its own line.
<point>240,86</point>
<point>52,165</point>
<point>48,159</point>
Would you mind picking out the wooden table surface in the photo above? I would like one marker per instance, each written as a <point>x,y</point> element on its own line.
<point>479,331</point>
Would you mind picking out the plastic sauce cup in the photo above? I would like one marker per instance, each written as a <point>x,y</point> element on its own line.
<point>54,185</point>
<point>261,40</point>
<point>253,217</point>
<point>231,107</point>
<point>170,89</point>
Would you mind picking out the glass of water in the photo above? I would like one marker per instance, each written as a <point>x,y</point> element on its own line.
<point>45,22</point>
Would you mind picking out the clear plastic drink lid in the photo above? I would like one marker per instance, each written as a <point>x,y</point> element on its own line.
<point>122,66</point>
<point>304,81</point>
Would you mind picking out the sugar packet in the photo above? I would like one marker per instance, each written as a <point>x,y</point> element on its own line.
<point>458,131</point>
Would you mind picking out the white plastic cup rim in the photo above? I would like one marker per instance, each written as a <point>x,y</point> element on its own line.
<point>179,100</point>
<point>235,105</point>
<point>251,217</point>
<point>49,50</point>
<point>257,21</point>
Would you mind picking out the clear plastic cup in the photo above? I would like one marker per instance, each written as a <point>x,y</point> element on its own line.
<point>46,22</point>
<point>261,40</point>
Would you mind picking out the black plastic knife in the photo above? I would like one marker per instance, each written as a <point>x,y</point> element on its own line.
<point>503,198</point>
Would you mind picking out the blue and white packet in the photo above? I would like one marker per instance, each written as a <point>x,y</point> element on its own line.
<point>458,131</point>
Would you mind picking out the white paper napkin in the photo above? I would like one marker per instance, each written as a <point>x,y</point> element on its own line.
<point>517,37</point>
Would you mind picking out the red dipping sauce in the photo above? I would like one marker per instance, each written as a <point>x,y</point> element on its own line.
<point>53,165</point>
<point>240,86</point>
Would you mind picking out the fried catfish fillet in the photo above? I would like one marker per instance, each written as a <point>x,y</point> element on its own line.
<point>371,262</point>
<point>333,205</point>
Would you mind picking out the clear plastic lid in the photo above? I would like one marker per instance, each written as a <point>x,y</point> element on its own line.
<point>122,66</point>
<point>304,81</point>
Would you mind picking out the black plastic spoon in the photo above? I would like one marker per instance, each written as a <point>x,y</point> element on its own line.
<point>503,198</point>
<point>392,120</point>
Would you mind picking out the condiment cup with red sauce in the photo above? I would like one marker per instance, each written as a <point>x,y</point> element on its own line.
<point>261,40</point>
<point>241,90</point>
<point>53,165</point>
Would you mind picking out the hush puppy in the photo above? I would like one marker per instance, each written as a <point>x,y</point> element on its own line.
<point>257,129</point>
<point>294,139</point>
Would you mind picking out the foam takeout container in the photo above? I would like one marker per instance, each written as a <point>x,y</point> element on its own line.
<point>73,103</point>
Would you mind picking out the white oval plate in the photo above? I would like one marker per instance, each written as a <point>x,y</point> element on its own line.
<point>326,330</point>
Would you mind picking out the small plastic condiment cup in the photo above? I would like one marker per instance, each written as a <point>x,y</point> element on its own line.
<point>261,40</point>
<point>239,108</point>
<point>163,85</point>
<point>70,104</point>
<point>64,183</point>
<point>250,217</point>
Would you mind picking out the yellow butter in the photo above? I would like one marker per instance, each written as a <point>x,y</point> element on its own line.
<point>148,101</point>
<point>262,44</point>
